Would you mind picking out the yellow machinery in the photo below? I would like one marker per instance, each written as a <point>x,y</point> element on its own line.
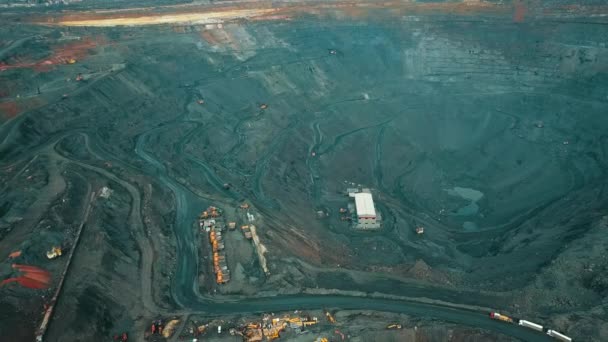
<point>330,318</point>
<point>253,326</point>
<point>394,326</point>
<point>500,317</point>
<point>296,320</point>
<point>308,323</point>
<point>170,328</point>
<point>54,253</point>
<point>274,334</point>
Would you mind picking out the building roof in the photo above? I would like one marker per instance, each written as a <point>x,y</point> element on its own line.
<point>352,191</point>
<point>365,204</point>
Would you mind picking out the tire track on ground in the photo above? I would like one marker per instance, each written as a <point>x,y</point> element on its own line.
<point>262,164</point>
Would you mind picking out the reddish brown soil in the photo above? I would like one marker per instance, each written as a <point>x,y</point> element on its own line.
<point>61,54</point>
<point>9,109</point>
<point>33,277</point>
<point>520,10</point>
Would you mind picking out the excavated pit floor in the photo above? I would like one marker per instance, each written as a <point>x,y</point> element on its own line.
<point>489,133</point>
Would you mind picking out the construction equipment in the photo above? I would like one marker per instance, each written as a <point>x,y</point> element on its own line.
<point>310,321</point>
<point>531,325</point>
<point>253,332</point>
<point>419,230</point>
<point>246,231</point>
<point>559,336</point>
<point>14,255</point>
<point>201,329</point>
<point>273,330</point>
<point>329,317</point>
<point>71,61</point>
<point>54,252</point>
<point>211,212</point>
<point>223,277</point>
<point>499,317</point>
<point>157,327</point>
<point>273,335</point>
<point>169,329</point>
<point>393,326</point>
<point>220,267</point>
<point>253,326</point>
<point>214,212</point>
<point>296,325</point>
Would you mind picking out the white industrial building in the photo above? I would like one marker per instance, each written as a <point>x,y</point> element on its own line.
<point>365,210</point>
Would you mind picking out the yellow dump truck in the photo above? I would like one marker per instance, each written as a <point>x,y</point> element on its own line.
<point>54,252</point>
